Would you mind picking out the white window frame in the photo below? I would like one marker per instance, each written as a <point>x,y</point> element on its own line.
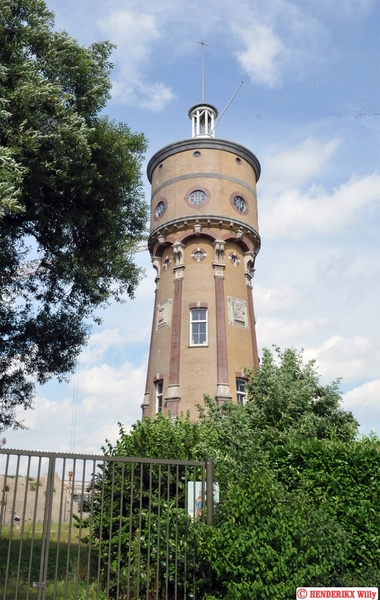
<point>241,395</point>
<point>194,322</point>
<point>159,388</point>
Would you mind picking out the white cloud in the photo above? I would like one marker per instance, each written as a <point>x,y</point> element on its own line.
<point>295,214</point>
<point>283,297</point>
<point>136,34</point>
<point>283,332</point>
<point>99,343</point>
<point>267,37</point>
<point>290,168</point>
<point>351,359</point>
<point>352,276</point>
<point>364,403</point>
<point>263,53</point>
<point>102,396</point>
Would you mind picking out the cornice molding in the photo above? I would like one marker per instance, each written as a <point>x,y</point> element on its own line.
<point>198,143</point>
<point>207,221</point>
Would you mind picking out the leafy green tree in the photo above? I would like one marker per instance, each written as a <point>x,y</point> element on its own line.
<point>266,542</point>
<point>138,513</point>
<point>298,492</point>
<point>286,398</point>
<point>342,478</point>
<point>71,202</point>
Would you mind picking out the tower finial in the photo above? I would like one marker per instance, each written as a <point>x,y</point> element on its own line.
<point>203,44</point>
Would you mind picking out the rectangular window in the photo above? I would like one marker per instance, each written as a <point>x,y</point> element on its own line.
<point>159,387</point>
<point>198,327</point>
<point>241,394</point>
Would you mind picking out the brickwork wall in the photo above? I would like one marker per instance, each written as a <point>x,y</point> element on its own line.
<point>198,370</point>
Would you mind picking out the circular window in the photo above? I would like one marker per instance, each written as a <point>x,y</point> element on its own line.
<point>160,208</point>
<point>160,166</point>
<point>234,258</point>
<point>197,198</point>
<point>238,160</point>
<point>198,254</point>
<point>196,154</point>
<point>239,204</point>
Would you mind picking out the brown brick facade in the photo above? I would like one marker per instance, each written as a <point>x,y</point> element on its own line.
<point>221,337</point>
<point>217,282</point>
<point>175,347</point>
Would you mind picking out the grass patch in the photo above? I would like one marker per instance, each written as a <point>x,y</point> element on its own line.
<point>71,570</point>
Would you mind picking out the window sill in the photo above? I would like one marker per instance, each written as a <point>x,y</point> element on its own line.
<point>198,346</point>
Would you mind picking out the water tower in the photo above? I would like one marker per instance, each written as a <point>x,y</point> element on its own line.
<point>203,243</point>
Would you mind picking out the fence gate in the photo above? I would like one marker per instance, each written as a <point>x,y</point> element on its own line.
<point>98,527</point>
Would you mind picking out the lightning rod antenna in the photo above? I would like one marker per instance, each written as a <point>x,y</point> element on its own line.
<point>203,44</point>
<point>228,103</point>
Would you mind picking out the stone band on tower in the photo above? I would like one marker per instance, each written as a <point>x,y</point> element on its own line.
<point>203,244</point>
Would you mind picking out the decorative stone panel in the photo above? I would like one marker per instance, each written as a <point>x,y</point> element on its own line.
<point>164,314</point>
<point>237,312</point>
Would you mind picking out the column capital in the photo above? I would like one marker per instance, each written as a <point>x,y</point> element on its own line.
<point>178,252</point>
<point>172,400</point>
<point>179,271</point>
<point>218,269</point>
<point>219,250</point>
<point>145,405</point>
<point>223,393</point>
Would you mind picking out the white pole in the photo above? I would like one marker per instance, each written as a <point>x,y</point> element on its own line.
<point>203,44</point>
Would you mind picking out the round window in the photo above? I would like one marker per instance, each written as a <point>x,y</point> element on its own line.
<point>239,203</point>
<point>197,197</point>
<point>198,254</point>
<point>196,154</point>
<point>160,208</point>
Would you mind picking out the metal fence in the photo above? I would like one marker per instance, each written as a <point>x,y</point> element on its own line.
<point>98,527</point>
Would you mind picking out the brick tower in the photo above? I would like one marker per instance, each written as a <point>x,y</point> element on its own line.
<point>203,243</point>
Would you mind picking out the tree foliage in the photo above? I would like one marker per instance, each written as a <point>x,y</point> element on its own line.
<point>71,204</point>
<point>298,488</point>
<point>286,398</point>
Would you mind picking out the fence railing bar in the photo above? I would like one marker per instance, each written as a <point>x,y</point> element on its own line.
<point>149,532</point>
<point>4,498</point>
<point>194,519</point>
<point>139,531</point>
<point>176,534</point>
<point>102,457</point>
<point>210,490</point>
<point>158,531</point>
<point>186,534</point>
<point>80,517</point>
<point>167,533</point>
<point>110,529</point>
<point>120,528</point>
<point>102,466</point>
<point>61,517</point>
<point>91,491</point>
<point>22,527</point>
<point>130,532</point>
<point>11,525</point>
<point>46,528</point>
<point>70,526</point>
<point>34,526</point>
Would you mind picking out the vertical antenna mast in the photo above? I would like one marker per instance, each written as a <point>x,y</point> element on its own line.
<point>203,44</point>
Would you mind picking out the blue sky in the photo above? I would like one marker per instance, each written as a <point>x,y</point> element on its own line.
<point>309,109</point>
